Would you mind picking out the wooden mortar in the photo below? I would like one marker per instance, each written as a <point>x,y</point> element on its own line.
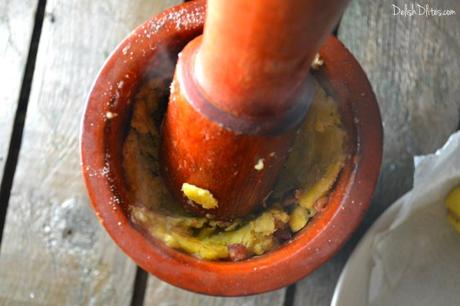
<point>160,38</point>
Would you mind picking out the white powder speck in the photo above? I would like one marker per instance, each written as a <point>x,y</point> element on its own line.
<point>104,171</point>
<point>126,49</point>
<point>110,115</point>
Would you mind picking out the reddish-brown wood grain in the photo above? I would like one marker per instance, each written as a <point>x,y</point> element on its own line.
<point>240,91</point>
<point>256,54</point>
<point>202,151</point>
<point>102,139</point>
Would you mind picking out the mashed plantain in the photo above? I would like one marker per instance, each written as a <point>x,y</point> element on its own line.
<point>200,196</point>
<point>311,170</point>
<point>453,208</point>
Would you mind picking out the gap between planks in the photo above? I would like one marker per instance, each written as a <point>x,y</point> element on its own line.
<point>140,287</point>
<point>19,119</point>
<point>289,295</point>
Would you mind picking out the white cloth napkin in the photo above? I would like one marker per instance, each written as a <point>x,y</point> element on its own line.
<point>417,259</point>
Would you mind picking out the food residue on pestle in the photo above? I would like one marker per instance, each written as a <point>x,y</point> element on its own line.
<point>200,196</point>
<point>308,175</point>
<point>260,164</point>
<point>317,62</point>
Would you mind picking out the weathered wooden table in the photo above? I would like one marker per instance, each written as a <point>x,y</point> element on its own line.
<point>54,252</point>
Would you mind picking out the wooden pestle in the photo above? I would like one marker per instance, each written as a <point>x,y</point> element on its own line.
<point>238,95</point>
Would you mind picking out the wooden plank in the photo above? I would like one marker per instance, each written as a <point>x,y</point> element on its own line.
<point>413,66</point>
<point>16,25</point>
<point>54,252</point>
<point>160,293</point>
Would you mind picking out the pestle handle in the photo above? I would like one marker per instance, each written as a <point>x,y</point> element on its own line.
<point>239,93</point>
<point>255,54</point>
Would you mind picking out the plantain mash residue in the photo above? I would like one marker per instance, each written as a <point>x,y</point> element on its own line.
<point>318,155</point>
